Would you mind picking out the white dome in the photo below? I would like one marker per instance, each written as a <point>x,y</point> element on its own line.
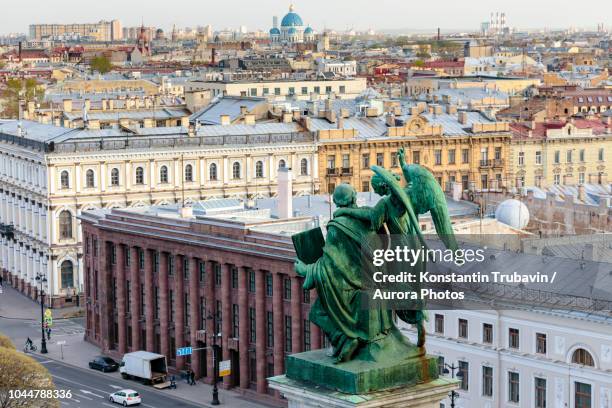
<point>513,213</point>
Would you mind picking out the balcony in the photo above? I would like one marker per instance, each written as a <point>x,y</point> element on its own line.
<point>492,164</point>
<point>332,171</point>
<point>346,171</point>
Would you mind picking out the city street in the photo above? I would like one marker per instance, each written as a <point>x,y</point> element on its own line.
<point>91,388</point>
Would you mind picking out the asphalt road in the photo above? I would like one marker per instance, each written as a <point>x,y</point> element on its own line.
<point>92,388</point>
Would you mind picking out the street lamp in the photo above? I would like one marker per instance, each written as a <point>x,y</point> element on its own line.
<point>454,394</point>
<point>41,279</point>
<point>215,349</point>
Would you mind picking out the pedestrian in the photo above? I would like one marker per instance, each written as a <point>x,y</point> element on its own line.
<point>191,378</point>
<point>48,333</point>
<point>0,281</point>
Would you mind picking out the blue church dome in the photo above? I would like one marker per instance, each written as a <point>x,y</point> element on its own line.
<point>292,31</point>
<point>291,19</point>
<point>274,31</point>
<point>308,30</point>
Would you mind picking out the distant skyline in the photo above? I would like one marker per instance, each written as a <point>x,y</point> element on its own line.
<point>337,14</point>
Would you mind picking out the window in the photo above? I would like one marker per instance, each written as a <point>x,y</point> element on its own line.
<point>212,172</point>
<point>342,89</point>
<point>317,90</point>
<point>394,159</point>
<point>380,159</point>
<point>465,156</point>
<point>441,365</point>
<point>115,177</point>
<point>513,387</point>
<point>365,186</point>
<point>331,162</point>
<point>251,281</point>
<point>269,287</point>
<point>583,357</point>
<point>64,180</point>
<point>277,91</point>
<point>291,91</point>
<point>234,277</point>
<point>365,161</point>
<point>306,296</point>
<point>189,173</point>
<point>306,334</point>
<point>163,174</point>
<point>304,90</point>
<point>568,156</point>
<point>487,381</point>
<point>582,396</point>
<point>346,161</point>
<point>252,325</point>
<point>217,274</point>
<point>236,170</point>
<point>540,393</point>
<point>463,328</point>
<point>141,258</point>
<point>304,167</point>
<point>288,342</point>
<point>89,179</point>
<point>139,175</point>
<point>438,157</point>
<point>416,157</point>
<point>557,179</point>
<point>202,271</point>
<point>600,154</point>
<point>328,89</point>
<point>269,329</point>
<point>439,324</point>
<point>487,333</point>
<point>540,343</point>
<point>451,156</point>
<point>464,369</point>
<point>67,274</point>
<point>581,178</point>
<point>557,156</point>
<point>513,338</point>
<point>287,289</point>
<point>497,153</point>
<point>259,169</point>
<point>235,321</point>
<point>171,265</point>
<point>65,225</point>
<point>581,155</point>
<point>282,164</point>
<point>521,158</point>
<point>538,157</point>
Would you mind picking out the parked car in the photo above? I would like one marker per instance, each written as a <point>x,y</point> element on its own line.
<point>104,364</point>
<point>125,397</point>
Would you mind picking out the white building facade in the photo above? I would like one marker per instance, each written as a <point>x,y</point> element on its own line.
<point>49,175</point>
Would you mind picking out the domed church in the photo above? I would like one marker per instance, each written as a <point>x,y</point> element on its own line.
<point>292,29</point>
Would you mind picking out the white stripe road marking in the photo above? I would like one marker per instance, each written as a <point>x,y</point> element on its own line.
<point>108,405</point>
<point>82,385</point>
<point>76,400</point>
<point>91,393</point>
<point>82,396</point>
<point>46,361</point>
<point>115,386</point>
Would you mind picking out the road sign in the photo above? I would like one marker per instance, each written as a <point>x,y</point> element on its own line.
<point>61,342</point>
<point>184,351</point>
<point>225,368</point>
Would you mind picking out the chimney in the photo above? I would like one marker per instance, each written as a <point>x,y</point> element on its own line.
<point>397,111</point>
<point>243,110</point>
<point>287,117</point>
<point>87,105</point>
<point>340,123</point>
<point>225,120</point>
<point>186,212</point>
<point>249,119</point>
<point>437,109</point>
<point>111,104</point>
<point>297,115</point>
<point>344,113</point>
<point>431,108</point>
<point>391,120</point>
<point>285,193</point>
<point>103,104</point>
<point>67,105</point>
<point>581,192</point>
<point>436,98</point>
<point>451,109</point>
<point>463,117</point>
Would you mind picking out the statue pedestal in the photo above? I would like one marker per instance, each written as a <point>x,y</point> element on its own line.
<point>304,395</point>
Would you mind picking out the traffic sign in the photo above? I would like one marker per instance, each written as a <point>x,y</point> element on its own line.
<point>184,351</point>
<point>225,368</point>
<point>61,342</point>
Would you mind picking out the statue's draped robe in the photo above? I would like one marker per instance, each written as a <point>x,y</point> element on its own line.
<point>338,277</point>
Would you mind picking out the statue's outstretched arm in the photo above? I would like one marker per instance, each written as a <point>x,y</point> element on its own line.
<point>375,216</point>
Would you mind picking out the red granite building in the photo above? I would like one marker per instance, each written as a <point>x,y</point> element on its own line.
<point>158,278</point>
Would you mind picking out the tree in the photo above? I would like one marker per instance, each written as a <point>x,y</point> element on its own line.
<point>6,342</point>
<point>419,63</point>
<point>21,372</point>
<point>100,64</point>
<point>18,89</point>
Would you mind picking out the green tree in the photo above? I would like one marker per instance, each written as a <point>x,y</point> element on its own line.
<point>419,63</point>
<point>100,64</point>
<point>19,89</point>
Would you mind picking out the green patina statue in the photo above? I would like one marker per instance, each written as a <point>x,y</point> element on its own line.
<point>358,332</point>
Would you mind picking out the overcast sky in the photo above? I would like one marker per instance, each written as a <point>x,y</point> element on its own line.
<point>337,14</point>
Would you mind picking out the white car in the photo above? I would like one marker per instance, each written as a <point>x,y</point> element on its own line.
<point>125,397</point>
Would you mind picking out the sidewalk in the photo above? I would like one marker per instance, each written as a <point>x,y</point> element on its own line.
<point>20,318</point>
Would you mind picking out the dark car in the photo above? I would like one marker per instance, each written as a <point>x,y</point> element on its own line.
<point>104,364</point>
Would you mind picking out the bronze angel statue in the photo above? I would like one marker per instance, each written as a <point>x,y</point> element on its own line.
<point>338,275</point>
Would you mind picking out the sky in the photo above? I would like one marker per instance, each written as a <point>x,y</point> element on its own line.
<point>335,14</point>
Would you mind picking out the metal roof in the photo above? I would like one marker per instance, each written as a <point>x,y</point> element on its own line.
<point>211,115</point>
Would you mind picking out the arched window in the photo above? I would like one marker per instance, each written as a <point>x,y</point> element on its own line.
<point>163,174</point>
<point>139,175</point>
<point>212,172</point>
<point>281,164</point>
<point>64,180</point>
<point>65,224</point>
<point>236,170</point>
<point>583,357</point>
<point>89,179</point>
<point>304,167</point>
<point>67,274</point>
<point>115,177</point>
<point>189,172</point>
<point>259,169</point>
